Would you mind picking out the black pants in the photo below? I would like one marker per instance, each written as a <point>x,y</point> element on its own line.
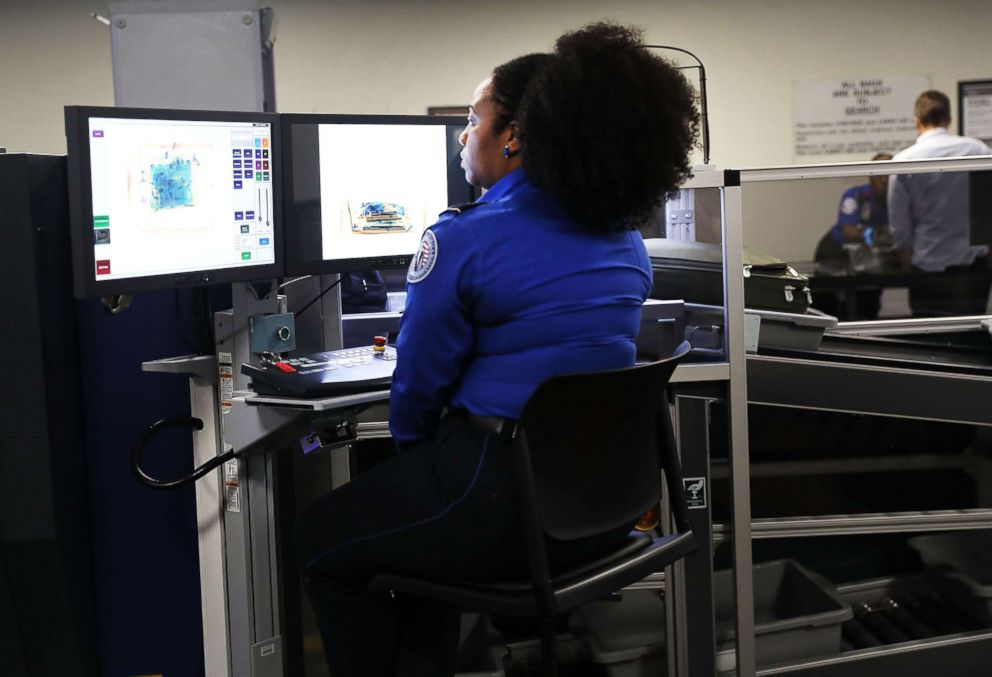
<point>444,510</point>
<point>961,290</point>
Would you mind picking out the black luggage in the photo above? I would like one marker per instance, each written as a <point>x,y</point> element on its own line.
<point>693,271</point>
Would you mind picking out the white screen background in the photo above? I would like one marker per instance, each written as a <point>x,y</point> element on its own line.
<point>401,164</point>
<point>144,241</point>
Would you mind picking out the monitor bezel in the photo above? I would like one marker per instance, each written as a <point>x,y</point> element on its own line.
<point>296,263</point>
<point>85,282</point>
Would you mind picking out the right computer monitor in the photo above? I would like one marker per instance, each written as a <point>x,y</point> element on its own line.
<point>361,189</point>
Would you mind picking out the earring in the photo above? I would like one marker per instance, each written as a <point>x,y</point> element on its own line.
<point>506,151</point>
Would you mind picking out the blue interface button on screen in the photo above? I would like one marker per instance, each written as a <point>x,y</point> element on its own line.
<point>249,215</point>
<point>258,154</point>
<point>258,143</point>
<point>263,242</point>
<point>237,185</point>
<point>248,173</point>
<point>237,173</point>
<point>239,216</point>
<point>236,152</point>
<point>237,164</point>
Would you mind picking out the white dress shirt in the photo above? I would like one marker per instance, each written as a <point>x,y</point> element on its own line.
<point>930,212</point>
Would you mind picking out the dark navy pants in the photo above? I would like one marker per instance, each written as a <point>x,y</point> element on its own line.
<point>445,510</point>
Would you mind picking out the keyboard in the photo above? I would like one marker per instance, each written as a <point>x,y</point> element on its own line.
<point>336,372</point>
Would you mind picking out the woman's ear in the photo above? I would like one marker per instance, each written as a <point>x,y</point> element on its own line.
<point>512,140</point>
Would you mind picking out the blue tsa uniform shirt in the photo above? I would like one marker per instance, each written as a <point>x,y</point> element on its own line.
<point>503,294</point>
<point>858,205</point>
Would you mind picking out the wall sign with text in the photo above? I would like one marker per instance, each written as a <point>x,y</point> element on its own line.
<point>975,109</point>
<point>854,118</point>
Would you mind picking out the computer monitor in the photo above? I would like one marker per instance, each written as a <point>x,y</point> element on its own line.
<point>166,198</point>
<point>361,189</point>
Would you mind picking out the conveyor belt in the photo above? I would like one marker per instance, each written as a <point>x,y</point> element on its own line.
<point>872,375</point>
<point>953,353</point>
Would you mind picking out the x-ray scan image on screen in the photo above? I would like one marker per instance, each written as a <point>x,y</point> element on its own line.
<point>380,187</point>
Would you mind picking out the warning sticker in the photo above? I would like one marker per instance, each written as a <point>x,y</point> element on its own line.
<point>231,473</point>
<point>226,386</point>
<point>232,485</point>
<point>695,491</point>
<point>232,499</point>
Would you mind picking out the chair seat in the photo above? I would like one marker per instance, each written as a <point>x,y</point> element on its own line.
<point>639,556</point>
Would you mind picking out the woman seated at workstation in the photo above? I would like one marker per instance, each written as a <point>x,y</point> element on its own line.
<point>545,274</point>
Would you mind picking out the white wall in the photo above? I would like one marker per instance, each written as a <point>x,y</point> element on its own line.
<point>51,54</point>
<point>401,56</point>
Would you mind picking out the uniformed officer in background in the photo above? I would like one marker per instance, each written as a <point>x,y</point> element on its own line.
<point>862,221</point>
<point>543,275</point>
<point>863,215</point>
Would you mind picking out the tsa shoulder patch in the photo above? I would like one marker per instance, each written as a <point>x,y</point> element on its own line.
<point>425,258</point>
<point>849,205</point>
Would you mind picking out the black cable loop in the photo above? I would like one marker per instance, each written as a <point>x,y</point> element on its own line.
<point>153,430</point>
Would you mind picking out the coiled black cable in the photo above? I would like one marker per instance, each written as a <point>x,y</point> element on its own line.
<point>154,429</point>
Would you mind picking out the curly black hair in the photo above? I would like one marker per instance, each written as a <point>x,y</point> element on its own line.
<point>605,126</point>
<point>509,84</point>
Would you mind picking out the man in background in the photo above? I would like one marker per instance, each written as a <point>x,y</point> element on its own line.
<point>929,217</point>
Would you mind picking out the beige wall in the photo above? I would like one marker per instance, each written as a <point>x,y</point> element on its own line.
<point>401,56</point>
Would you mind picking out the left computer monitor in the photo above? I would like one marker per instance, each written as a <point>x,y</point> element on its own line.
<point>165,198</point>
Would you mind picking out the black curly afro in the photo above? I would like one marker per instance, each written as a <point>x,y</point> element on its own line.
<point>606,127</point>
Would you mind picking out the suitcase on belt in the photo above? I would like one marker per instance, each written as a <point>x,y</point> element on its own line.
<point>694,271</point>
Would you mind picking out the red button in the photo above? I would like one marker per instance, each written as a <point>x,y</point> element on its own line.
<point>286,367</point>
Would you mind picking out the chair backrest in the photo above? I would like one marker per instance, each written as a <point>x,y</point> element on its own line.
<point>590,448</point>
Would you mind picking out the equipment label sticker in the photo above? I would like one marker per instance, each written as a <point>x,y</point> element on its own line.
<point>232,499</point>
<point>225,380</point>
<point>695,491</point>
<point>232,486</point>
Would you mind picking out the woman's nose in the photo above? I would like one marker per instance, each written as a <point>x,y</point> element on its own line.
<point>463,137</point>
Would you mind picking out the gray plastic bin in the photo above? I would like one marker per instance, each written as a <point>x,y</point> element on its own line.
<point>625,637</point>
<point>966,557</point>
<point>796,615</point>
<point>479,649</point>
<point>791,331</point>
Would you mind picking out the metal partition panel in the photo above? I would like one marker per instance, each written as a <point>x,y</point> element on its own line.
<point>740,481</point>
<point>210,533</point>
<point>692,584</point>
<point>695,650</point>
<point>854,386</point>
<point>188,54</point>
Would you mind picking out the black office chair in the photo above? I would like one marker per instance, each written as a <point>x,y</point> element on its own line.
<point>588,453</point>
